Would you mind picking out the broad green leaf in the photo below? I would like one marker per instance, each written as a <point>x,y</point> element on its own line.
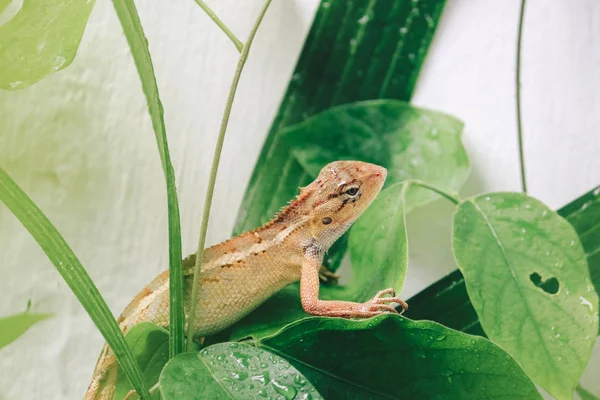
<point>378,246</point>
<point>391,357</point>
<point>357,50</point>
<point>67,264</point>
<point>527,276</point>
<point>13,326</point>
<point>233,371</point>
<point>412,143</point>
<point>149,344</point>
<point>132,27</point>
<point>447,301</point>
<point>39,39</point>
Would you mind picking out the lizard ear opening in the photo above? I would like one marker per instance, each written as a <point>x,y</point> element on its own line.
<point>327,220</point>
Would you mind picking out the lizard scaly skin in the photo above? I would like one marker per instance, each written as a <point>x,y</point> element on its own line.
<point>239,274</point>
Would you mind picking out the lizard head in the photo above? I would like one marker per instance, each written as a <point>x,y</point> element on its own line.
<point>340,194</point>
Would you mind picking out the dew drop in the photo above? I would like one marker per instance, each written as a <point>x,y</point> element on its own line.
<point>364,19</point>
<point>289,392</point>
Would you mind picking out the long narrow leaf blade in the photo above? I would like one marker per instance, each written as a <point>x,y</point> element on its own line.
<point>138,44</point>
<point>447,301</point>
<point>67,264</point>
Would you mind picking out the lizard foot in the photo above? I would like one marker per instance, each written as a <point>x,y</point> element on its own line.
<point>379,304</point>
<point>328,277</point>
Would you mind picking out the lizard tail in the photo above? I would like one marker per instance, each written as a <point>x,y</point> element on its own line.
<point>104,379</point>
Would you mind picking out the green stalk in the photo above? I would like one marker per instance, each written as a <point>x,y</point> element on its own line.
<point>518,95</point>
<point>213,173</point>
<point>238,44</point>
<point>454,199</point>
<point>132,27</point>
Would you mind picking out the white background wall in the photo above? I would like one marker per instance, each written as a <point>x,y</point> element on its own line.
<point>81,144</point>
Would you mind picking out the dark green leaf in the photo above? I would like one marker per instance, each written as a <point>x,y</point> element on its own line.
<point>39,39</point>
<point>390,357</point>
<point>149,344</point>
<point>527,277</point>
<point>412,143</point>
<point>67,264</point>
<point>357,50</point>
<point>13,326</point>
<point>233,371</point>
<point>447,302</point>
<point>138,44</point>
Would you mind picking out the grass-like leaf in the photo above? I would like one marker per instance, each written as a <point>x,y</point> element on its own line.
<point>528,279</point>
<point>40,38</point>
<point>138,44</point>
<point>391,357</point>
<point>233,371</point>
<point>13,326</point>
<point>67,264</point>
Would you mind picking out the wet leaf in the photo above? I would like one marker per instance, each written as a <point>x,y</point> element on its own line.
<point>510,248</point>
<point>391,357</point>
<point>38,39</point>
<point>411,142</point>
<point>233,371</point>
<point>149,344</point>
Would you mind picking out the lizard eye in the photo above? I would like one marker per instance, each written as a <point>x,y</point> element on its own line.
<point>353,191</point>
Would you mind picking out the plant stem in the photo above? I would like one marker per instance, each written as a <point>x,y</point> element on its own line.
<point>238,44</point>
<point>518,96</point>
<point>441,192</point>
<point>213,173</point>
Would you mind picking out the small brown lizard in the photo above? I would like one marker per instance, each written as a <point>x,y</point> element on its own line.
<point>239,274</point>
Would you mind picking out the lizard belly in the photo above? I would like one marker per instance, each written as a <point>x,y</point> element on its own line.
<point>233,292</point>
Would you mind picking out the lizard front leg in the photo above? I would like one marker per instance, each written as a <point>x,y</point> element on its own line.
<point>309,295</point>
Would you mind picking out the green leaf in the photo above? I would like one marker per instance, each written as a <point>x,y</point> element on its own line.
<point>379,246</point>
<point>41,38</point>
<point>357,50</point>
<point>149,344</point>
<point>13,326</point>
<point>584,394</point>
<point>527,277</point>
<point>391,357</point>
<point>132,27</point>
<point>67,264</point>
<point>447,301</point>
<point>412,143</point>
<point>233,371</point>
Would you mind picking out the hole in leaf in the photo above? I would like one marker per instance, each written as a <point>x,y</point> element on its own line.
<point>550,285</point>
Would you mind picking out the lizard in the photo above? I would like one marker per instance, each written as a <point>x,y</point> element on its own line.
<point>241,273</point>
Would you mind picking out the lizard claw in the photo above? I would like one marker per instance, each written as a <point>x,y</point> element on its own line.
<point>380,303</point>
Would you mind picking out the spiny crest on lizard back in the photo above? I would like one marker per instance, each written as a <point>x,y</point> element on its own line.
<point>333,201</point>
